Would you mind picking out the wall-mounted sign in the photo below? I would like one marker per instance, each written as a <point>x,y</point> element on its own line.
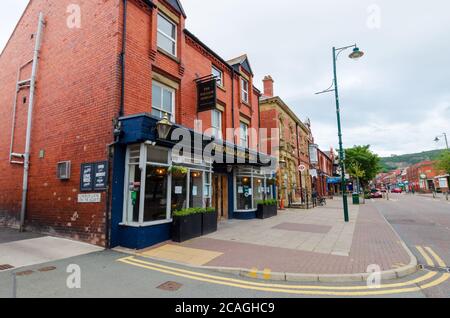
<point>313,173</point>
<point>86,179</point>
<point>90,198</point>
<point>100,176</point>
<point>94,176</point>
<point>423,176</point>
<point>207,95</point>
<point>302,168</point>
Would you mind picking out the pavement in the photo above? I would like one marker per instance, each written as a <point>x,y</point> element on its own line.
<point>298,245</point>
<point>25,249</point>
<point>422,224</point>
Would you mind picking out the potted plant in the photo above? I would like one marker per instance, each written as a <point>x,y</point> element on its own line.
<point>209,221</point>
<point>186,225</point>
<point>266,209</point>
<point>178,171</point>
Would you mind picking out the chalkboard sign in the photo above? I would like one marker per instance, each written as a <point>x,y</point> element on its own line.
<point>94,176</point>
<point>86,178</point>
<point>207,95</point>
<point>101,175</point>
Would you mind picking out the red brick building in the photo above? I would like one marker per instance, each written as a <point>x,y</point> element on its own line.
<point>325,171</point>
<point>421,176</point>
<point>291,145</point>
<point>108,72</point>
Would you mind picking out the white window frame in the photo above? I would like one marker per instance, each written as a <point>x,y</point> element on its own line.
<point>217,130</point>
<point>172,91</point>
<point>244,93</point>
<point>241,140</point>
<point>220,78</point>
<point>143,164</point>
<point>167,36</point>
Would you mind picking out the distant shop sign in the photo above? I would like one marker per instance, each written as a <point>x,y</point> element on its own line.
<point>313,154</point>
<point>206,95</point>
<point>443,183</point>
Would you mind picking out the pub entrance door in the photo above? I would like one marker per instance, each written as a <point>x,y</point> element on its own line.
<point>220,197</point>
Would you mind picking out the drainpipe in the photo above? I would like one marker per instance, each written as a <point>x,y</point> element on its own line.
<point>232,104</point>
<point>26,162</point>
<point>122,59</point>
<point>300,173</point>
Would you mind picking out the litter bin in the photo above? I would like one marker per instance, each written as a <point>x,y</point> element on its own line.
<point>355,198</point>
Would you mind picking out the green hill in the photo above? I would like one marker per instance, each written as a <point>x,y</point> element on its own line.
<point>404,161</point>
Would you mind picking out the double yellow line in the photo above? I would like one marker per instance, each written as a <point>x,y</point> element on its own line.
<point>387,289</point>
<point>428,257</point>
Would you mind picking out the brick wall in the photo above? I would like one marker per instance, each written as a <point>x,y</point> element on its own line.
<point>76,99</point>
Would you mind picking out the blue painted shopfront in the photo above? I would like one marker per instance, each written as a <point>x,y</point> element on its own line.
<point>140,129</point>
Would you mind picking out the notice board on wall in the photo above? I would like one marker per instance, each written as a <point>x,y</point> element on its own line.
<point>94,176</point>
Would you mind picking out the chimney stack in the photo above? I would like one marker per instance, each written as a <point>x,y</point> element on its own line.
<point>268,86</point>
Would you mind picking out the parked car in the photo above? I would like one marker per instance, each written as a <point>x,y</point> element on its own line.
<point>376,195</point>
<point>397,190</point>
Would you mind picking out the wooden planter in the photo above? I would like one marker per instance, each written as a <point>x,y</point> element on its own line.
<point>185,228</point>
<point>266,211</point>
<point>209,223</point>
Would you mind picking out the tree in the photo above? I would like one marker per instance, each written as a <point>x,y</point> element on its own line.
<point>355,171</point>
<point>365,160</point>
<point>443,162</point>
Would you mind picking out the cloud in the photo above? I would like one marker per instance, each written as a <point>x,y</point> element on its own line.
<point>395,98</point>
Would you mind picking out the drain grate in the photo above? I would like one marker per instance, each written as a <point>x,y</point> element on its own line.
<point>4,267</point>
<point>170,286</point>
<point>435,269</point>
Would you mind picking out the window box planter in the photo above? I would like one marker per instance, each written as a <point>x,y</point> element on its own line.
<point>186,227</point>
<point>266,209</point>
<point>209,222</point>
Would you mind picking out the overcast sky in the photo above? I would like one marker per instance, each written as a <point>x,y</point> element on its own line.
<point>397,98</point>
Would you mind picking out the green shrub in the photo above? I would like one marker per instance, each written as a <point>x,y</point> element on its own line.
<point>271,202</point>
<point>192,211</point>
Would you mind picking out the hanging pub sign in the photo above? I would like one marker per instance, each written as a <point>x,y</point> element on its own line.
<point>313,154</point>
<point>94,176</point>
<point>206,94</point>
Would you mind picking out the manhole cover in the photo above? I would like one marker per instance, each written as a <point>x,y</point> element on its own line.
<point>4,267</point>
<point>170,286</point>
<point>47,269</point>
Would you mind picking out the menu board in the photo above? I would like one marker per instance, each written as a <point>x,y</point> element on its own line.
<point>86,183</point>
<point>94,176</point>
<point>101,175</point>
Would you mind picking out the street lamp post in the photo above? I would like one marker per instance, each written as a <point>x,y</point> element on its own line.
<point>356,54</point>
<point>445,138</point>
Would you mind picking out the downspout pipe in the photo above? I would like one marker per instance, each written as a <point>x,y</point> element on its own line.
<point>122,59</point>
<point>232,104</point>
<point>26,163</point>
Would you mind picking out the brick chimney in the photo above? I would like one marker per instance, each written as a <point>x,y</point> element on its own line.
<point>268,86</point>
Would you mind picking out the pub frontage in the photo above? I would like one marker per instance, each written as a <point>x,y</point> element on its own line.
<point>152,179</point>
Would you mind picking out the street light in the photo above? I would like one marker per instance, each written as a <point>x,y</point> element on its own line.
<point>356,54</point>
<point>163,127</point>
<point>445,138</point>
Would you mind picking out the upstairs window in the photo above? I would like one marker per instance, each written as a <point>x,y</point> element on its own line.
<point>167,35</point>
<point>244,135</point>
<point>163,101</point>
<point>216,124</point>
<point>218,74</point>
<point>244,90</point>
